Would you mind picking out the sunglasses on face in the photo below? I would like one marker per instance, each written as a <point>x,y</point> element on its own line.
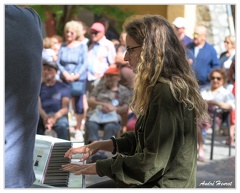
<point>196,34</point>
<point>226,42</point>
<point>94,32</point>
<point>216,77</point>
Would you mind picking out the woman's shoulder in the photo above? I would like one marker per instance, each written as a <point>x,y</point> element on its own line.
<point>162,87</point>
<point>82,46</point>
<point>162,92</point>
<point>223,54</point>
<point>224,90</point>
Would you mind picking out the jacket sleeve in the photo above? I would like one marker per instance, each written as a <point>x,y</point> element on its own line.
<point>159,145</point>
<point>127,143</point>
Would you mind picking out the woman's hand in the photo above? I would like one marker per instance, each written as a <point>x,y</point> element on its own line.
<point>79,169</point>
<point>107,108</point>
<point>86,150</point>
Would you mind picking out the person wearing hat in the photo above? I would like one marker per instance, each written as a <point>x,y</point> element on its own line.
<point>101,54</point>
<point>109,97</point>
<point>54,100</point>
<point>180,25</point>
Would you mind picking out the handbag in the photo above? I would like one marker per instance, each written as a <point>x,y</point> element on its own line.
<point>99,117</point>
<point>77,88</point>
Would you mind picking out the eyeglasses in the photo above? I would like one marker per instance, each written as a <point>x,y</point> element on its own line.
<point>216,77</point>
<point>196,34</point>
<point>130,49</point>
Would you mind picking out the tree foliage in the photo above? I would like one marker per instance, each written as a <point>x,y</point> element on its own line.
<point>64,13</point>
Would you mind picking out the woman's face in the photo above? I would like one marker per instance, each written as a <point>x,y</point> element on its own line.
<point>216,80</point>
<point>228,44</point>
<point>133,52</point>
<point>70,35</point>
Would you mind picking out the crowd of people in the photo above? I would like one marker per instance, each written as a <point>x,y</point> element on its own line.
<point>215,83</point>
<point>84,60</point>
<point>205,62</point>
<point>84,63</point>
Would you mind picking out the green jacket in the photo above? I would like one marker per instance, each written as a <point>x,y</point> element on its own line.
<point>162,152</point>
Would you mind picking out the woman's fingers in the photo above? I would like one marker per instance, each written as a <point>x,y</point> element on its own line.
<point>72,151</point>
<point>80,169</point>
<point>89,169</point>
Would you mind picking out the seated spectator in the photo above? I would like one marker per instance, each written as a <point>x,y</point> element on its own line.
<point>215,95</point>
<point>53,103</point>
<point>106,98</point>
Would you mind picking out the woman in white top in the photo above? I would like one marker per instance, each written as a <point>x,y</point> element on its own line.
<point>216,95</point>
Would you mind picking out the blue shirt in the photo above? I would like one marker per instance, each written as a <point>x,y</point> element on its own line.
<point>186,40</point>
<point>73,60</point>
<point>51,96</point>
<point>205,62</point>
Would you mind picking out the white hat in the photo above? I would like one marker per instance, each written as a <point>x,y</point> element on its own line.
<point>179,22</point>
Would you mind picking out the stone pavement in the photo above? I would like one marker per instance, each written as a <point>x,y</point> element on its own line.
<point>220,171</point>
<point>216,173</point>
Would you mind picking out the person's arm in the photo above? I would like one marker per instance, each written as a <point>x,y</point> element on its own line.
<point>42,113</point>
<point>92,148</point>
<point>92,102</point>
<point>160,140</point>
<point>107,108</point>
<point>63,111</point>
<point>222,105</point>
<point>87,151</point>
<point>227,102</point>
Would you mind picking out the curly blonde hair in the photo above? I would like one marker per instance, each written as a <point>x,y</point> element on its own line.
<point>75,26</point>
<point>162,59</point>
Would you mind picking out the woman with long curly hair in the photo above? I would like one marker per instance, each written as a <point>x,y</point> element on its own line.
<point>162,152</point>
